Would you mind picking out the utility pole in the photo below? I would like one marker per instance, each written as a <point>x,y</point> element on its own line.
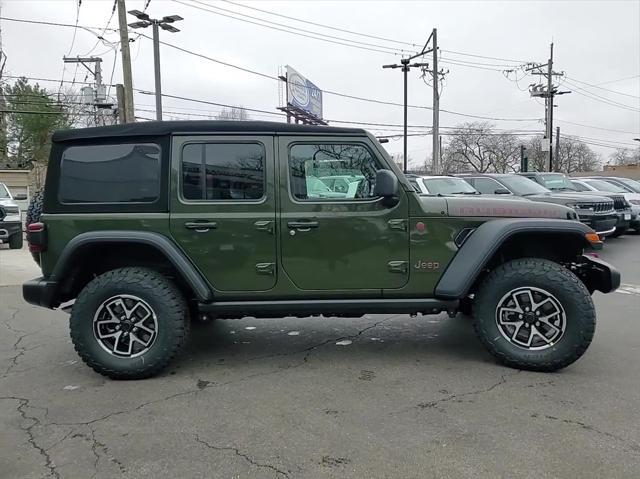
<point>120,99</point>
<point>524,160</point>
<point>547,92</point>
<point>406,65</point>
<point>129,116</point>
<point>164,23</point>
<point>549,101</point>
<point>435,167</point>
<point>557,156</point>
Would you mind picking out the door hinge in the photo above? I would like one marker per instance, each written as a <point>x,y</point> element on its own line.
<point>398,224</point>
<point>398,266</point>
<point>264,226</point>
<point>266,268</point>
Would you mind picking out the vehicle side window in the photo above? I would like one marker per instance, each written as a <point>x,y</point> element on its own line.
<point>486,186</point>
<point>331,172</point>
<point>121,173</point>
<point>223,171</point>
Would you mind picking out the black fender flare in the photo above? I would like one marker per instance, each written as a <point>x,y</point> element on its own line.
<point>155,240</point>
<point>484,242</point>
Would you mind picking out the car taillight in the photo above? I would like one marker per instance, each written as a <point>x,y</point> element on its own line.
<point>37,237</point>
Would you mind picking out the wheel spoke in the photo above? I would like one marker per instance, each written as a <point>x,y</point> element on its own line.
<point>518,313</point>
<point>134,337</point>
<point>114,313</point>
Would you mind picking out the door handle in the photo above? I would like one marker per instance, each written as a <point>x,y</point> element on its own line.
<point>302,225</point>
<point>201,226</point>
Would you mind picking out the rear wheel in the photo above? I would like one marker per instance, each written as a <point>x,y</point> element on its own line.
<point>34,211</point>
<point>15,241</point>
<point>534,314</point>
<point>129,323</point>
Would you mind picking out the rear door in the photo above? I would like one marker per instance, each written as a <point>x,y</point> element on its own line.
<point>337,237</point>
<point>223,208</point>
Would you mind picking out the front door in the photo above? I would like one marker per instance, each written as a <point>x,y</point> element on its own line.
<point>335,234</point>
<point>223,209</point>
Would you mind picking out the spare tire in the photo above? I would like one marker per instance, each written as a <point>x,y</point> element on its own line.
<point>34,211</point>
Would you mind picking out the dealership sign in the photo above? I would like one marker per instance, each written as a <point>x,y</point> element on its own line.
<point>302,94</point>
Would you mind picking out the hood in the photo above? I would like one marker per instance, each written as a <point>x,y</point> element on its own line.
<point>484,206</point>
<point>568,197</point>
<point>7,202</point>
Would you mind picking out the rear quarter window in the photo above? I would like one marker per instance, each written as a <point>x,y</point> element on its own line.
<point>114,173</point>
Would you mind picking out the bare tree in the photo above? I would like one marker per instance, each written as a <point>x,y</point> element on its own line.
<point>625,156</point>
<point>574,155</point>
<point>234,113</point>
<point>479,148</point>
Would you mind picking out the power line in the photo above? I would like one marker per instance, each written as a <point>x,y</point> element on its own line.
<point>598,128</point>
<point>605,89</point>
<point>308,34</point>
<point>113,11</point>
<point>601,99</point>
<point>272,77</point>
<point>75,30</point>
<point>620,79</point>
<point>324,25</point>
<point>483,56</point>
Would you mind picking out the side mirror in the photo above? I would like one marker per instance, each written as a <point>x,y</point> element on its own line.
<point>20,197</point>
<point>502,191</point>
<point>387,187</point>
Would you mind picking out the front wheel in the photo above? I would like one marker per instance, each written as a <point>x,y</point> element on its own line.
<point>534,314</point>
<point>129,323</point>
<point>15,241</point>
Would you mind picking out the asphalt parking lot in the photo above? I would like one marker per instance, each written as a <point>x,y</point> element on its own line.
<point>380,396</point>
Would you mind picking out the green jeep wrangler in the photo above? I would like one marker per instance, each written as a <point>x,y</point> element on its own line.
<point>145,226</point>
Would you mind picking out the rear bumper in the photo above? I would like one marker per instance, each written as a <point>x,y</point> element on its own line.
<point>40,292</point>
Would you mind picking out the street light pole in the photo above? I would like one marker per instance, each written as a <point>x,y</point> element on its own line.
<point>156,67</point>
<point>164,23</point>
<point>405,65</point>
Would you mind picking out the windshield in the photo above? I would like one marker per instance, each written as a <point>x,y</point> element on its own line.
<point>522,186</point>
<point>602,185</point>
<point>557,182</point>
<point>448,186</point>
<point>631,184</point>
<point>3,192</point>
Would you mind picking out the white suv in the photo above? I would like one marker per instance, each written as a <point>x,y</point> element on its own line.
<point>10,219</point>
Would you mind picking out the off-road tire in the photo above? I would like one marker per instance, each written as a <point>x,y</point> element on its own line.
<point>34,211</point>
<point>159,293</point>
<point>15,240</point>
<point>553,278</point>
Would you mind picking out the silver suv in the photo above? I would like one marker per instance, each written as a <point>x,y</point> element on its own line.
<point>10,219</point>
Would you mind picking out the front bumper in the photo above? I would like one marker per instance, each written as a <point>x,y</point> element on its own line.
<point>9,228</point>
<point>598,274</point>
<point>41,292</point>
<point>604,225</point>
<point>624,219</point>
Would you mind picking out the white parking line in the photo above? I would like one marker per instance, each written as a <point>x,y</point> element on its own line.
<point>629,289</point>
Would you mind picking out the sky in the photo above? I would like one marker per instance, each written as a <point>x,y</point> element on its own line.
<point>596,45</point>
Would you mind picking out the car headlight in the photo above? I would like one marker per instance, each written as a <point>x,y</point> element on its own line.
<point>634,202</point>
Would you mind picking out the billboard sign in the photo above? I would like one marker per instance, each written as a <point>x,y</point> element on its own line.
<point>302,94</point>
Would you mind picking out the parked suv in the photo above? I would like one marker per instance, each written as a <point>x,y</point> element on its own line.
<point>597,185</point>
<point>10,219</point>
<point>559,182</point>
<point>595,211</point>
<point>147,225</point>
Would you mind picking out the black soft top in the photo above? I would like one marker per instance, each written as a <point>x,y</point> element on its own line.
<point>159,128</point>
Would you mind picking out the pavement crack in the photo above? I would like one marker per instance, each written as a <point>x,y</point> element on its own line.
<point>246,457</point>
<point>588,427</point>
<point>34,421</point>
<point>474,392</point>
